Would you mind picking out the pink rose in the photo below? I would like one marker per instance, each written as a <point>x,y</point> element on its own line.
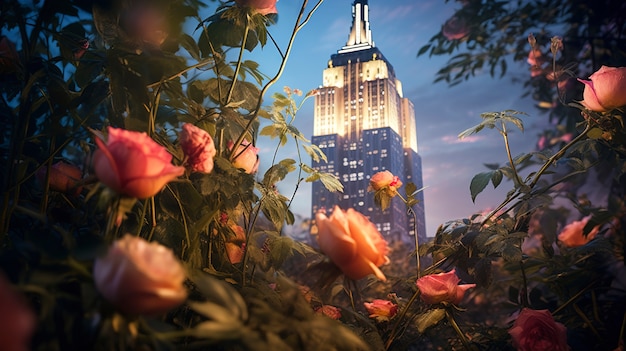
<point>263,7</point>
<point>385,179</point>
<point>535,57</point>
<point>329,311</point>
<point>17,320</point>
<point>536,330</point>
<point>352,242</point>
<point>236,246</point>
<point>381,310</point>
<point>455,28</point>
<point>64,177</point>
<point>606,89</point>
<point>133,164</point>
<point>198,146</point>
<point>572,234</point>
<point>442,287</point>
<point>140,277</point>
<point>246,157</point>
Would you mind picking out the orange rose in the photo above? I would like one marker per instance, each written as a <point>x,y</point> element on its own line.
<point>381,310</point>
<point>64,177</point>
<point>442,287</point>
<point>236,246</point>
<point>352,242</point>
<point>139,277</point>
<point>198,146</point>
<point>133,164</point>
<point>263,7</point>
<point>246,157</point>
<point>572,234</point>
<point>606,89</point>
<point>536,330</point>
<point>17,321</point>
<point>455,28</point>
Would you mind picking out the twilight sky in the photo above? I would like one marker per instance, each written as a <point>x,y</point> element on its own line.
<point>399,29</point>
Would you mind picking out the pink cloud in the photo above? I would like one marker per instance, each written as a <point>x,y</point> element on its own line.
<point>453,139</point>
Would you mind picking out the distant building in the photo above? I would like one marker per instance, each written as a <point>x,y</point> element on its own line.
<point>364,125</point>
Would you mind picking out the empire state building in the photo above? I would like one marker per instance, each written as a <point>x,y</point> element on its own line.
<point>364,125</point>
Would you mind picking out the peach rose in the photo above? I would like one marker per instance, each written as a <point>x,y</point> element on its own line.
<point>536,330</point>
<point>606,89</point>
<point>442,287</point>
<point>455,28</point>
<point>352,242</point>
<point>329,311</point>
<point>236,246</point>
<point>381,310</point>
<point>385,179</point>
<point>198,146</point>
<point>246,157</point>
<point>139,277</point>
<point>133,164</point>
<point>263,7</point>
<point>64,177</point>
<point>17,320</point>
<point>572,234</point>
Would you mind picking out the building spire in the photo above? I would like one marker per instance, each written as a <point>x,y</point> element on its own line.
<point>360,34</point>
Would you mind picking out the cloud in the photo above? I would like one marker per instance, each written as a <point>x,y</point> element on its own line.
<point>453,139</point>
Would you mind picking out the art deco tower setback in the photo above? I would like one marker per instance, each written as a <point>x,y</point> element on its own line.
<point>364,125</point>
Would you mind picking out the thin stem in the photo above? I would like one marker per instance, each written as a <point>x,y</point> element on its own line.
<point>401,316</point>
<point>181,73</point>
<point>505,135</point>
<point>458,331</point>
<point>239,62</point>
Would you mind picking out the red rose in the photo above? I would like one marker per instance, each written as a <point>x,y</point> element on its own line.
<point>133,164</point>
<point>536,330</point>
<point>442,287</point>
<point>329,311</point>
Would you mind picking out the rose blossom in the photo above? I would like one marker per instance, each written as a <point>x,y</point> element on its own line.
<point>236,246</point>
<point>455,28</point>
<point>385,179</point>
<point>442,287</point>
<point>352,242</point>
<point>17,320</point>
<point>64,177</point>
<point>605,90</point>
<point>572,234</point>
<point>133,164</point>
<point>536,330</point>
<point>381,310</point>
<point>198,146</point>
<point>140,277</point>
<point>246,157</point>
<point>329,311</point>
<point>263,7</point>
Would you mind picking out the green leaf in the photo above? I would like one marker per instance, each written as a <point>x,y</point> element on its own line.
<point>479,182</point>
<point>496,178</point>
<point>429,319</point>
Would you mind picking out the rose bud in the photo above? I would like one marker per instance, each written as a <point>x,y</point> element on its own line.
<point>133,164</point>
<point>139,277</point>
<point>198,146</point>
<point>606,89</point>
<point>572,234</point>
<point>536,330</point>
<point>329,311</point>
<point>236,246</point>
<point>64,177</point>
<point>442,287</point>
<point>352,242</point>
<point>385,179</point>
<point>381,310</point>
<point>246,157</point>
<point>17,320</point>
<point>263,7</point>
<point>455,28</point>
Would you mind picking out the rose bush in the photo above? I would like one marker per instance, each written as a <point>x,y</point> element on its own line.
<point>133,164</point>
<point>17,321</point>
<point>198,146</point>
<point>536,330</point>
<point>572,234</point>
<point>605,90</point>
<point>139,277</point>
<point>442,287</point>
<point>263,7</point>
<point>381,310</point>
<point>246,157</point>
<point>64,177</point>
<point>352,242</point>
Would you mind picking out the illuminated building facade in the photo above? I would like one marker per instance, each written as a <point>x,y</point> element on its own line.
<point>364,125</point>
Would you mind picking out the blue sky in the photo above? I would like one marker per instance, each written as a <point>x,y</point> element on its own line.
<point>399,29</point>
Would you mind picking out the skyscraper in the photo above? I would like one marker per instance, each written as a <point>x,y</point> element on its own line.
<point>364,125</point>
